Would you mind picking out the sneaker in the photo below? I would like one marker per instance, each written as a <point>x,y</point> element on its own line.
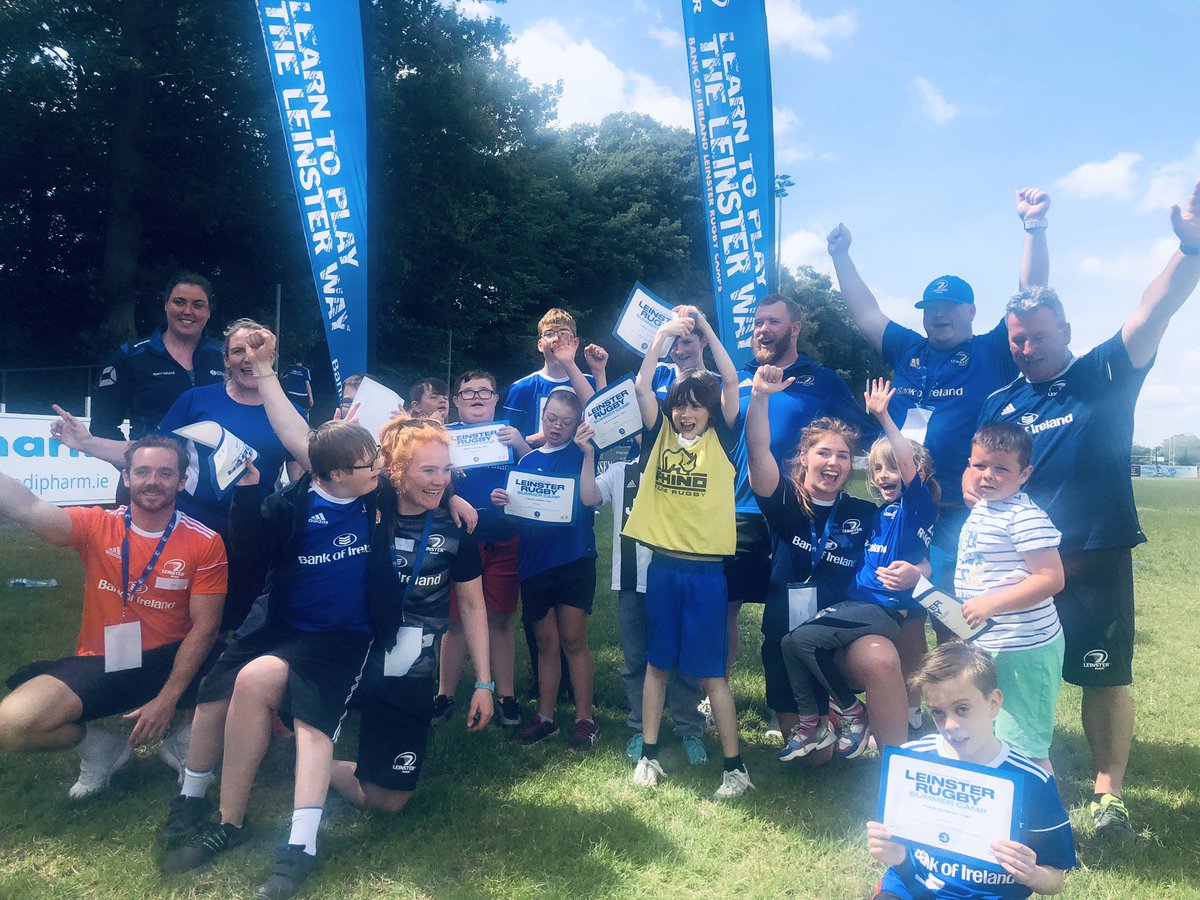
<point>100,755</point>
<point>734,784</point>
<point>774,732</point>
<point>915,719</point>
<point>694,748</point>
<point>805,739</point>
<point>704,707</point>
<point>185,816</point>
<point>1112,820</point>
<point>852,730</point>
<point>648,773</point>
<point>292,868</point>
<point>508,711</point>
<point>537,730</point>
<point>173,751</point>
<point>634,748</point>
<point>585,735</point>
<point>209,842</point>
<point>443,709</point>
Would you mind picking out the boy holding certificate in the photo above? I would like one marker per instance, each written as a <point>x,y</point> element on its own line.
<point>1009,571</point>
<point>958,682</point>
<point>558,572</point>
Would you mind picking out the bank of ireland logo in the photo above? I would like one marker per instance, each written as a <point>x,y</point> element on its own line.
<point>1055,388</point>
<point>831,544</point>
<point>174,568</point>
<point>401,561</point>
<point>1095,659</point>
<point>914,362</point>
<point>405,762</point>
<point>1028,418</point>
<point>345,540</point>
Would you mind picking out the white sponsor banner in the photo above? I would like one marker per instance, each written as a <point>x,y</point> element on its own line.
<point>53,472</point>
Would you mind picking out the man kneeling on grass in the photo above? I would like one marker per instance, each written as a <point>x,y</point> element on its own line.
<point>154,588</point>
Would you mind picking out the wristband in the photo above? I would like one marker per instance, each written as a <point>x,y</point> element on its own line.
<point>489,686</point>
<point>1034,224</point>
<point>1188,251</point>
<point>267,375</point>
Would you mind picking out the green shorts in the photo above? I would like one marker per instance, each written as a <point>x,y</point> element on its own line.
<point>1030,680</point>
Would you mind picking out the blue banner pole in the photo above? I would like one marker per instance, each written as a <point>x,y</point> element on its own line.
<point>729,70</point>
<point>315,53</point>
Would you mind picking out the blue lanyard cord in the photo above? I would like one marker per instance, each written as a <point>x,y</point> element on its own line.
<point>817,550</point>
<point>126,590</point>
<point>418,559</point>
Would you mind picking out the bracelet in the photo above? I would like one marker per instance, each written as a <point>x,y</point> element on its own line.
<point>486,686</point>
<point>268,375</point>
<point>1187,250</point>
<point>1035,224</point>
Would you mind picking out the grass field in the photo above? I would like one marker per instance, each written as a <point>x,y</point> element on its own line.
<point>493,820</point>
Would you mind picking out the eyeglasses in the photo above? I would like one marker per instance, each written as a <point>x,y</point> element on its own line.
<point>554,421</point>
<point>480,394</point>
<point>374,461</point>
<point>557,333</point>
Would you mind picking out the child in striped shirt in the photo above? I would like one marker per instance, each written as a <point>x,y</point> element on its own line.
<point>1008,571</point>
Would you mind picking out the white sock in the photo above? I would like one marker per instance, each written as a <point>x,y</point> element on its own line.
<point>305,822</point>
<point>195,784</point>
<point>94,739</point>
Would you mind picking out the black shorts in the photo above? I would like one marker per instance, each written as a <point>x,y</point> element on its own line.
<point>748,571</point>
<point>394,734</point>
<point>573,584</point>
<point>1096,611</point>
<point>109,693</point>
<point>324,668</point>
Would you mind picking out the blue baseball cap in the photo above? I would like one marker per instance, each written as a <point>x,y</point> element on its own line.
<point>947,287</point>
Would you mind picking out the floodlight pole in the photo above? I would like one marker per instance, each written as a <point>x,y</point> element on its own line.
<point>782,183</point>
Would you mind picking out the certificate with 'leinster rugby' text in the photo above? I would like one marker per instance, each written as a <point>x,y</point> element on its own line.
<point>541,498</point>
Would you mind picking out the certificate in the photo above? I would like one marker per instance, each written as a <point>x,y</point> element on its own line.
<point>949,808</point>
<point>229,454</point>
<point>377,406</point>
<point>541,498</point>
<point>947,609</point>
<point>472,446</point>
<point>640,320</point>
<point>916,423</point>
<point>614,413</point>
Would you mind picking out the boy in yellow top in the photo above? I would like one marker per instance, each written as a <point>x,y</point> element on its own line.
<point>684,512</point>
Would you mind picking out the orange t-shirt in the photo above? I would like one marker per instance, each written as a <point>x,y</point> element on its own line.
<point>192,562</point>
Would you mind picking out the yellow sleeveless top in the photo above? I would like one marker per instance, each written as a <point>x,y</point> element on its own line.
<point>685,503</point>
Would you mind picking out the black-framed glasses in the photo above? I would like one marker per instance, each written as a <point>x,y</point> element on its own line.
<point>551,335</point>
<point>370,464</point>
<point>477,394</point>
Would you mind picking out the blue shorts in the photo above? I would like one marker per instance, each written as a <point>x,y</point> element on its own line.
<point>685,616</point>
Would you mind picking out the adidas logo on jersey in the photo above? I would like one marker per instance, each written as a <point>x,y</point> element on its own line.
<point>114,552</point>
<point>318,519</point>
<point>1009,409</point>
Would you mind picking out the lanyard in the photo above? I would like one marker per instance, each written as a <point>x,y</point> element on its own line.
<point>126,590</point>
<point>418,560</point>
<point>924,401</point>
<point>817,550</point>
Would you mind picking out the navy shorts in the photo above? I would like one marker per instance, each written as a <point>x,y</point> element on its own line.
<point>1096,610</point>
<point>686,608</point>
<point>572,584</point>
<point>748,571</point>
<point>394,736</point>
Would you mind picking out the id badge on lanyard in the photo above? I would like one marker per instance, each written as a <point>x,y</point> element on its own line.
<point>123,641</point>
<point>802,595</point>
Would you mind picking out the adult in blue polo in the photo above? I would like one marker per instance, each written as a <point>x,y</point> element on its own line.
<point>1079,411</point>
<point>943,377</point>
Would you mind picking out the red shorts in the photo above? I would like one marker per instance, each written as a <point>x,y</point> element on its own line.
<point>501,581</point>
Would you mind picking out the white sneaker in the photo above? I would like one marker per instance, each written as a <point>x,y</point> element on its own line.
<point>100,755</point>
<point>773,731</point>
<point>174,749</point>
<point>915,719</point>
<point>648,773</point>
<point>734,784</point>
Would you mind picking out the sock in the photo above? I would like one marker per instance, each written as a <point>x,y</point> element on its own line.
<point>809,721</point>
<point>851,709</point>
<point>592,721</point>
<point>93,739</point>
<point>542,718</point>
<point>195,784</point>
<point>305,822</point>
<point>734,763</point>
<point>649,751</point>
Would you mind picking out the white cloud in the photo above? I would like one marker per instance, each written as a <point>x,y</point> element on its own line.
<point>805,248</point>
<point>669,38</point>
<point>1137,268</point>
<point>931,103</point>
<point>789,148</point>
<point>794,29</point>
<point>473,9</point>
<point>1171,182</point>
<point>592,84</point>
<point>1113,178</point>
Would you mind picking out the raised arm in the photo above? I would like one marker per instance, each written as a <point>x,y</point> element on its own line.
<point>730,402</point>
<point>1032,206</point>
<point>864,308</point>
<point>877,397</point>
<point>597,361</point>
<point>764,470</point>
<point>288,425</point>
<point>21,505</point>
<point>643,385</point>
<point>563,351</point>
<point>70,432</point>
<point>589,494</point>
<point>1166,294</point>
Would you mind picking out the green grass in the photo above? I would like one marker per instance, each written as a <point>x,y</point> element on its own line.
<point>493,820</point>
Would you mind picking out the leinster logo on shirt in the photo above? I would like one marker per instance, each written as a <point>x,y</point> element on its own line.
<point>806,380</point>
<point>851,526</point>
<point>677,473</point>
<point>961,358</point>
<point>1055,388</point>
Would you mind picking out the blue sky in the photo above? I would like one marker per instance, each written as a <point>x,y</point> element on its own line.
<point>913,123</point>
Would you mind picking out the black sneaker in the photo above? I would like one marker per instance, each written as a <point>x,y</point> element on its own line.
<point>185,816</point>
<point>508,711</point>
<point>209,842</point>
<point>292,868</point>
<point>443,709</point>
<point>1112,820</point>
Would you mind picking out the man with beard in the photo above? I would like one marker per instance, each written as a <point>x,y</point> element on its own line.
<point>154,588</point>
<point>815,392</point>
